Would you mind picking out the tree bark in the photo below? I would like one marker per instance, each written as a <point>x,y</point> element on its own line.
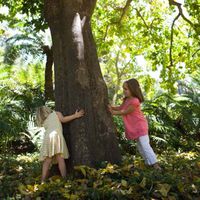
<point>79,83</point>
<point>48,85</point>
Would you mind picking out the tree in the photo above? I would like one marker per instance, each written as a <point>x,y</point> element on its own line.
<point>79,83</point>
<point>147,30</point>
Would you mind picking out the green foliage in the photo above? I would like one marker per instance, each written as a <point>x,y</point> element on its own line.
<point>16,108</point>
<point>126,146</point>
<point>23,46</point>
<point>12,75</point>
<point>174,120</point>
<point>32,13</point>
<point>145,30</point>
<point>15,168</point>
<point>11,54</point>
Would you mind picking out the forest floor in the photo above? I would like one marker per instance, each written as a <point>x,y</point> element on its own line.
<point>179,179</point>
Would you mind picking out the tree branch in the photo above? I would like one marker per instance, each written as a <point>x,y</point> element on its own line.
<point>172,2</point>
<point>106,33</point>
<point>171,40</point>
<point>139,14</point>
<point>179,6</point>
<point>195,52</point>
<point>116,65</point>
<point>123,69</point>
<point>124,10</point>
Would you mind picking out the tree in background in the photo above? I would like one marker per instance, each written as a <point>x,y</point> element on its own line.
<point>48,86</point>
<point>127,30</point>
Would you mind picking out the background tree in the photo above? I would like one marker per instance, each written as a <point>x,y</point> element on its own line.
<point>145,31</point>
<point>48,86</point>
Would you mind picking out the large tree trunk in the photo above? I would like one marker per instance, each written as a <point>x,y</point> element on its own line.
<point>79,83</point>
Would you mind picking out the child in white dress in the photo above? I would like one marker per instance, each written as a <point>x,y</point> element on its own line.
<point>54,149</point>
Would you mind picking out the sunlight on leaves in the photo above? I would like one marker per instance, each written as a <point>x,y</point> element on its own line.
<point>82,169</point>
<point>143,183</point>
<point>124,183</point>
<point>164,189</point>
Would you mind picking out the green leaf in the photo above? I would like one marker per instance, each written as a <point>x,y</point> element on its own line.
<point>164,189</point>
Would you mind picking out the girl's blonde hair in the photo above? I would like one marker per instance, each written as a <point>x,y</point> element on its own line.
<point>134,87</point>
<point>41,114</point>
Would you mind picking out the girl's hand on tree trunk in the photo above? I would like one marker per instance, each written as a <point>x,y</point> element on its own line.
<point>112,111</point>
<point>79,113</point>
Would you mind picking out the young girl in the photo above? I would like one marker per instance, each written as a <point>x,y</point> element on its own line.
<point>53,149</point>
<point>136,126</point>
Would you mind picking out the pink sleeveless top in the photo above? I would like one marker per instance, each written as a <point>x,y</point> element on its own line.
<point>135,123</point>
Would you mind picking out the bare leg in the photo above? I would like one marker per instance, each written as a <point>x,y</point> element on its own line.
<point>45,168</point>
<point>61,165</point>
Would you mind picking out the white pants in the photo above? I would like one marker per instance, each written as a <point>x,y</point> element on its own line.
<point>145,150</point>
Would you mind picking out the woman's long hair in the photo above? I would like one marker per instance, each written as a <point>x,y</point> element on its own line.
<point>41,114</point>
<point>134,87</point>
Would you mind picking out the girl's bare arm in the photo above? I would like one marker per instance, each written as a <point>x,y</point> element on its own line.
<point>69,118</point>
<point>130,109</point>
<point>113,107</point>
<point>116,107</point>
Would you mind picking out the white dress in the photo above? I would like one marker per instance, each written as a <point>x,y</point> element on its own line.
<point>53,142</point>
